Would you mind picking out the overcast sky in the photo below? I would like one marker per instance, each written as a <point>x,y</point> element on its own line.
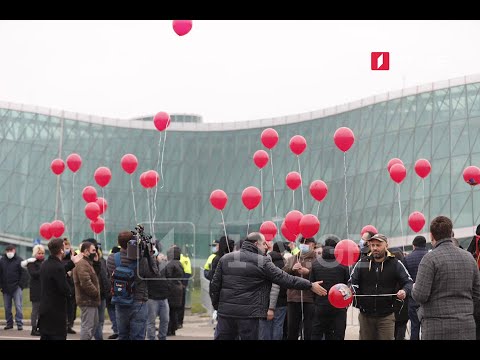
<point>224,70</point>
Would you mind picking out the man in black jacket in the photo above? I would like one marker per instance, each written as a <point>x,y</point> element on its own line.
<point>377,277</point>
<point>240,289</point>
<point>54,292</point>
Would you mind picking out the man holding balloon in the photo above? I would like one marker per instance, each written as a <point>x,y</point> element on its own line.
<point>374,280</point>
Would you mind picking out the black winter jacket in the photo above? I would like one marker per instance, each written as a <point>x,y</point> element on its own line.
<point>158,289</point>
<point>241,285</point>
<point>413,260</point>
<point>34,272</point>
<point>331,273</point>
<point>12,275</point>
<point>279,262</point>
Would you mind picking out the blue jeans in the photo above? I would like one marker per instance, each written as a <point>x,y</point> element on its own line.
<point>131,321</point>
<point>272,329</point>
<point>101,320</point>
<point>17,297</point>
<point>161,309</point>
<point>113,318</point>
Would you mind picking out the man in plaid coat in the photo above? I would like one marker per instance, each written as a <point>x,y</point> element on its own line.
<point>447,287</point>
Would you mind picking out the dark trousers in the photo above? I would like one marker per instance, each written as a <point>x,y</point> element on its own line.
<point>414,322</point>
<point>400,329</point>
<point>181,312</point>
<point>53,337</point>
<point>294,311</point>
<point>234,328</point>
<point>173,320</point>
<point>71,311</point>
<point>329,324</point>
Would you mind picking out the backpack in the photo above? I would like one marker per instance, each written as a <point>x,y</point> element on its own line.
<point>123,282</point>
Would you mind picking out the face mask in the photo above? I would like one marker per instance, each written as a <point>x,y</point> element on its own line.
<point>40,257</point>
<point>67,252</point>
<point>214,249</point>
<point>304,248</point>
<point>92,256</point>
<point>10,255</point>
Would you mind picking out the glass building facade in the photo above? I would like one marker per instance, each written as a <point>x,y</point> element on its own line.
<point>439,122</point>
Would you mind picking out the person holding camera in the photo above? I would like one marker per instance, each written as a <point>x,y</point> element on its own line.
<point>131,311</point>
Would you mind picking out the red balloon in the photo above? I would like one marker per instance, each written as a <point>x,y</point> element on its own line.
<point>97,225</point>
<point>74,162</point>
<point>344,138</point>
<point>309,225</point>
<point>182,27</point>
<point>92,211</point>
<point>57,166</point>
<point>298,144</point>
<point>89,194</point>
<point>416,221</point>
<point>57,228</point>
<point>251,197</point>
<point>286,233</point>
<point>347,252</point>
<point>293,180</point>
<point>218,199</point>
<point>129,163</point>
<point>161,121</point>
<point>370,228</point>
<point>269,230</point>
<point>398,173</point>
<point>292,221</point>
<point>260,158</point>
<point>422,168</point>
<point>151,178</point>
<point>471,175</point>
<point>393,162</point>
<point>46,231</point>
<point>102,204</point>
<point>340,296</point>
<point>143,182</point>
<point>318,189</point>
<point>102,176</point>
<point>269,138</point>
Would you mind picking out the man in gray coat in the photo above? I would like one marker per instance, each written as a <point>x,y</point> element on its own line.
<point>447,287</point>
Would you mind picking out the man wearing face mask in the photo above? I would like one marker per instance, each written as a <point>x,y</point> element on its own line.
<point>240,289</point>
<point>87,291</point>
<point>299,302</point>
<point>13,278</point>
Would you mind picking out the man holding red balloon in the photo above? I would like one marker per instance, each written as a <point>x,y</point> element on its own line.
<point>374,280</point>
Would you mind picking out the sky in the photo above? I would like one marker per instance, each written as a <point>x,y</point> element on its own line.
<point>225,71</point>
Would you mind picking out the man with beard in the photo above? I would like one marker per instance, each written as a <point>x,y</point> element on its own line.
<point>378,276</point>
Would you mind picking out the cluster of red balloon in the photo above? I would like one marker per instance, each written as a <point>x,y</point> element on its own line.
<point>93,209</point>
<point>295,223</point>
<point>55,229</point>
<point>397,170</point>
<point>149,179</point>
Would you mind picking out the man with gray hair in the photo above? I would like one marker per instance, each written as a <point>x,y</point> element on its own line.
<point>240,289</point>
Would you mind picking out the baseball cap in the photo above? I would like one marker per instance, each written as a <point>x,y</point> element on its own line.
<point>215,242</point>
<point>379,237</point>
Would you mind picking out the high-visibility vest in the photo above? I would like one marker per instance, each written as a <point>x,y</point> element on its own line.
<point>187,266</point>
<point>208,264</point>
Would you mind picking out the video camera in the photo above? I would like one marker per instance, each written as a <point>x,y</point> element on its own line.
<point>141,245</point>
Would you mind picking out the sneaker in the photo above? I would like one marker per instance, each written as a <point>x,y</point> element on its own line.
<point>71,331</point>
<point>20,328</point>
<point>35,333</point>
<point>113,337</point>
<point>8,327</point>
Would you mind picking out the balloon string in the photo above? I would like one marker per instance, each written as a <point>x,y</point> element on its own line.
<point>273,183</point>
<point>400,212</point>
<point>63,209</point>
<point>224,229</point>
<point>345,176</point>
<point>261,191</point>
<point>161,174</point>
<point>293,199</point>
<point>423,196</point>
<point>375,295</point>
<point>161,163</point>
<point>301,184</point>
<point>56,197</point>
<point>248,222</point>
<point>104,220</point>
<point>73,199</point>
<point>133,199</point>
<point>473,216</point>
<point>318,209</point>
<point>149,211</point>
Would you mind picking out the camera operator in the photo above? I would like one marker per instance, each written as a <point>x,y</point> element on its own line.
<point>132,319</point>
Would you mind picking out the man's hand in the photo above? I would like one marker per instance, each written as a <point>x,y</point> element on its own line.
<point>296,266</point>
<point>401,294</point>
<point>77,258</point>
<point>270,314</point>
<point>317,289</point>
<point>303,271</point>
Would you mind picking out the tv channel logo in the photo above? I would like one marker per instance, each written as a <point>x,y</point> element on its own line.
<point>380,60</point>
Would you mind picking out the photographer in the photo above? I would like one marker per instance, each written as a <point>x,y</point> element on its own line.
<point>132,318</point>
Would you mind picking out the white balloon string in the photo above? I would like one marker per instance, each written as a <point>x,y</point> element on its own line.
<point>161,163</point>
<point>318,209</point>
<point>261,191</point>
<point>248,222</point>
<point>293,199</point>
<point>63,211</point>
<point>374,295</point>
<point>133,200</point>
<point>224,229</point>
<point>423,196</point>
<point>400,213</point>
<point>273,183</point>
<point>301,184</point>
<point>149,211</point>
<point>345,176</point>
<point>73,199</point>
<point>57,192</point>
<point>104,220</point>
